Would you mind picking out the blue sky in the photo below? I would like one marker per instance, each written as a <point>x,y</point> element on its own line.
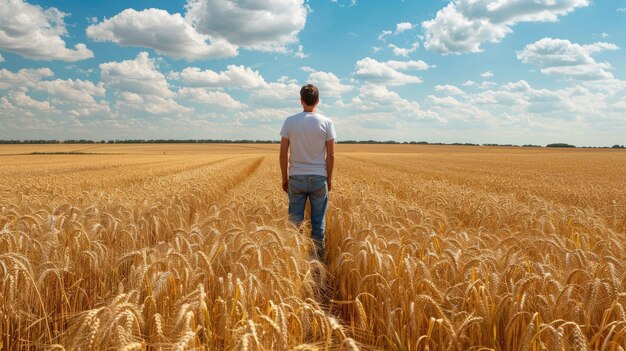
<point>482,71</point>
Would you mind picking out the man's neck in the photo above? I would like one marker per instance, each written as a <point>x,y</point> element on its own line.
<point>309,109</point>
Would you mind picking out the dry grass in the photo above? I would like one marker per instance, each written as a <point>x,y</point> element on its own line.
<point>429,248</point>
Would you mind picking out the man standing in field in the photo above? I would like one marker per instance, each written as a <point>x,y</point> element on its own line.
<point>309,138</point>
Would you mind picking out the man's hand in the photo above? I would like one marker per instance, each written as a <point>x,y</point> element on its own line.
<point>286,185</point>
<point>330,162</point>
<point>284,161</point>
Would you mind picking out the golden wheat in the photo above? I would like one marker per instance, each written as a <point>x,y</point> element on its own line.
<point>436,248</point>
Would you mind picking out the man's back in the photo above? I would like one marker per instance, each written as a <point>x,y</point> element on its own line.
<point>311,138</point>
<point>307,133</point>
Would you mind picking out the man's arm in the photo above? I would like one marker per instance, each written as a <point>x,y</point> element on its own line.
<point>284,159</point>
<point>330,162</point>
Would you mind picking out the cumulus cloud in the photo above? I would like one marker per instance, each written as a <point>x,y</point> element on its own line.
<point>388,72</point>
<point>26,77</point>
<point>267,25</point>
<point>487,74</point>
<point>139,85</point>
<point>346,4</point>
<point>418,65</point>
<point>282,94</point>
<point>263,116</point>
<point>621,104</point>
<point>520,101</point>
<point>380,98</point>
<point>209,28</point>
<point>328,83</point>
<point>211,98</point>
<point>18,100</point>
<point>1,59</point>
<point>398,51</point>
<point>300,53</point>
<point>464,25</point>
<point>487,84</point>
<point>403,27</point>
<point>233,77</point>
<point>384,34</point>
<point>566,59</point>
<point>168,34</point>
<point>449,89</point>
<point>77,95</point>
<point>457,108</point>
<point>36,33</point>
<point>72,90</point>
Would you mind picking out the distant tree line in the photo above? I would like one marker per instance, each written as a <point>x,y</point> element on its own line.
<point>250,141</point>
<point>560,145</point>
<point>141,141</point>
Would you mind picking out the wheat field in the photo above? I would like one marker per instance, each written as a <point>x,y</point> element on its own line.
<point>187,247</point>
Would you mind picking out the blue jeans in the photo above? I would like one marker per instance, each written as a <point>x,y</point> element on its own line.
<point>314,188</point>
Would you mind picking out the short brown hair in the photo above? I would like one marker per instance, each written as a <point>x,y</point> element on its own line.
<point>310,94</point>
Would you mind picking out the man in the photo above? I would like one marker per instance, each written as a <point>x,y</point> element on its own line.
<point>309,137</point>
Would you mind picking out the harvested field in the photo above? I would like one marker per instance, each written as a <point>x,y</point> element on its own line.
<point>185,247</point>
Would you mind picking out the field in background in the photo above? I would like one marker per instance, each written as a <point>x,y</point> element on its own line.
<point>429,247</point>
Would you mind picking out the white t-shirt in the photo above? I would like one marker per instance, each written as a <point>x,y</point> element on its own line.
<point>307,133</point>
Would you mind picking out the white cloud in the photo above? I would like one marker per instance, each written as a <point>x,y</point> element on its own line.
<point>464,25</point>
<point>328,83</point>
<point>487,84</point>
<point>503,98</point>
<point>18,99</point>
<point>139,76</point>
<point>81,91</point>
<point>487,74</point>
<point>446,101</point>
<point>387,72</point>
<point>382,109</point>
<point>352,3</point>
<point>379,98</point>
<point>211,98</point>
<point>362,123</point>
<point>1,59</point>
<point>277,94</point>
<point>35,33</point>
<point>139,85</point>
<point>287,80</point>
<point>456,108</point>
<point>621,104</point>
<point>384,34</point>
<point>300,53</point>
<point>404,26</point>
<point>168,34</point>
<point>409,65</point>
<point>566,59</point>
<point>520,101</point>
<point>449,89</point>
<point>263,25</point>
<point>77,95</point>
<point>398,51</point>
<point>26,77</point>
<point>263,116</point>
<point>234,77</point>
<point>621,9</point>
